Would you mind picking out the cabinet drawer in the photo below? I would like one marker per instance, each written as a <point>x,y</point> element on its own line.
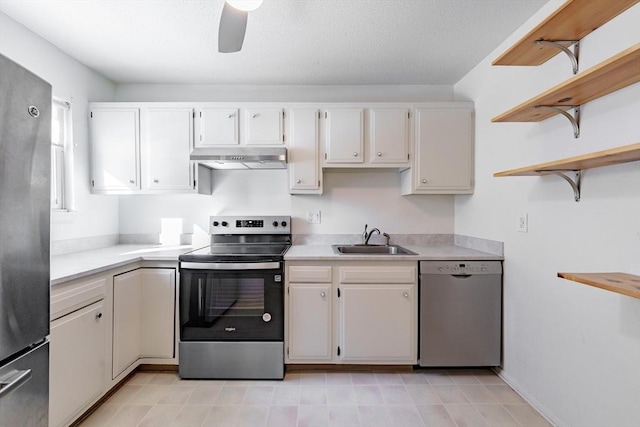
<point>75,296</point>
<point>310,274</point>
<point>368,274</point>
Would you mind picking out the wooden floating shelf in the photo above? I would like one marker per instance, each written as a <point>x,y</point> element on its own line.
<point>621,283</point>
<point>628,153</point>
<point>572,21</point>
<point>609,76</point>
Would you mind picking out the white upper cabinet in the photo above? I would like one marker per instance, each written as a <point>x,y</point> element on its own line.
<point>303,151</point>
<point>166,144</point>
<point>371,136</point>
<point>263,126</point>
<point>389,135</point>
<point>115,149</point>
<point>344,135</point>
<point>443,161</point>
<point>217,126</point>
<point>144,148</point>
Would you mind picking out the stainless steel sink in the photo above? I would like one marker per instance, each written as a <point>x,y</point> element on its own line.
<point>371,250</point>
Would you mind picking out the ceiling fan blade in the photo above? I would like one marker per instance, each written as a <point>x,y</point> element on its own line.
<point>233,24</point>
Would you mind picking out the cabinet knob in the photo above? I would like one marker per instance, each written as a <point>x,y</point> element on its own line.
<point>230,115</point>
<point>155,180</point>
<point>131,181</point>
<point>322,294</point>
<point>424,181</point>
<point>355,154</point>
<point>379,154</point>
<point>99,316</point>
<point>254,115</point>
<point>298,181</point>
<point>406,295</point>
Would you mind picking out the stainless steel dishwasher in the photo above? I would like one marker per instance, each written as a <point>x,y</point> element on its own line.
<point>460,313</point>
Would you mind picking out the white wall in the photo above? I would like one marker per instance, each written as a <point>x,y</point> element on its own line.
<point>572,349</point>
<point>350,199</point>
<point>71,81</point>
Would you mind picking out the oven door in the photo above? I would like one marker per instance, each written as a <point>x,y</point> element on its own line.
<point>231,301</point>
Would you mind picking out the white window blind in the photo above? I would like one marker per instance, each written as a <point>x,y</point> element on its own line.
<point>60,140</point>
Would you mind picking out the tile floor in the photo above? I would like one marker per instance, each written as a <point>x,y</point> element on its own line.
<point>452,398</point>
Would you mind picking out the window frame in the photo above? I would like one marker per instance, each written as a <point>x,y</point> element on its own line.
<point>61,156</point>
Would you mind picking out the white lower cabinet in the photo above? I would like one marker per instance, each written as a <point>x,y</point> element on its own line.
<point>378,324</point>
<point>78,354</point>
<point>310,310</point>
<point>143,316</point>
<point>352,312</point>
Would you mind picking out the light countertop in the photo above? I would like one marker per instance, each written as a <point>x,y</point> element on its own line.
<point>424,253</point>
<point>80,264</point>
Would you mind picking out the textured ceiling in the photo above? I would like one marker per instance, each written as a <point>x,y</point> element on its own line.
<point>293,42</point>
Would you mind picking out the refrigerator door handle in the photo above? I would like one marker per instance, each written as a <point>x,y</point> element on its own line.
<point>13,381</point>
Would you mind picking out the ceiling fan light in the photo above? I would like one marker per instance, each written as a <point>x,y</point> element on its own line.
<point>245,5</point>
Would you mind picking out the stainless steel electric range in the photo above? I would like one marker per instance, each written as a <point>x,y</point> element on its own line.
<point>232,300</point>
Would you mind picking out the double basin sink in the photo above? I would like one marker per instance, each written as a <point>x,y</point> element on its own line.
<point>371,250</point>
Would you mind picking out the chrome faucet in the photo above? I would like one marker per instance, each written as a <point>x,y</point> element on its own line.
<point>368,236</point>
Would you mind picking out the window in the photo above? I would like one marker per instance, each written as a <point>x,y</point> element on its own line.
<point>60,153</point>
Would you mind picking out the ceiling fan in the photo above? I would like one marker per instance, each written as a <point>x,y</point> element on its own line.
<point>233,24</point>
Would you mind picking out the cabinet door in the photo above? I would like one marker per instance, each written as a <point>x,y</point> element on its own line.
<point>263,126</point>
<point>444,150</point>
<point>389,136</point>
<point>77,362</point>
<point>217,126</point>
<point>157,312</point>
<point>115,148</point>
<point>127,313</point>
<point>378,323</point>
<point>344,133</point>
<point>167,143</point>
<point>310,322</point>
<point>304,168</point>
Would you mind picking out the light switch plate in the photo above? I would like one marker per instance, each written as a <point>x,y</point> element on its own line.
<point>523,223</point>
<point>313,217</point>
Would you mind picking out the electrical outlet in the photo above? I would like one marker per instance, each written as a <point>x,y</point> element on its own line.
<point>313,217</point>
<point>523,223</point>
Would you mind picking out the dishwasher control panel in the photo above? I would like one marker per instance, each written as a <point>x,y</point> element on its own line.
<point>461,267</point>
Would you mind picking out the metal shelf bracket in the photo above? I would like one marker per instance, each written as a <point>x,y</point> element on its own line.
<point>560,44</point>
<point>575,119</point>
<point>574,183</point>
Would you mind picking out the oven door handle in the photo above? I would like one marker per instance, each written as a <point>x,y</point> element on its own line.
<point>230,266</point>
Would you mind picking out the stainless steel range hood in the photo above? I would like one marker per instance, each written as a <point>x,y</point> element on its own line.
<point>241,157</point>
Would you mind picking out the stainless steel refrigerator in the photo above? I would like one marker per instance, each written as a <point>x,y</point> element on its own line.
<point>25,170</point>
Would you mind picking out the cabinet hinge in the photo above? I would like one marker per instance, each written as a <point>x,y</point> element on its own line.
<point>338,350</point>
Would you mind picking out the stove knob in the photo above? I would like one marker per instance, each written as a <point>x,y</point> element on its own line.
<point>216,223</point>
<point>275,223</point>
<point>284,223</point>
<point>225,223</point>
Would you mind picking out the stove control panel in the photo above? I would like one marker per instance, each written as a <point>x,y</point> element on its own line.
<point>250,225</point>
